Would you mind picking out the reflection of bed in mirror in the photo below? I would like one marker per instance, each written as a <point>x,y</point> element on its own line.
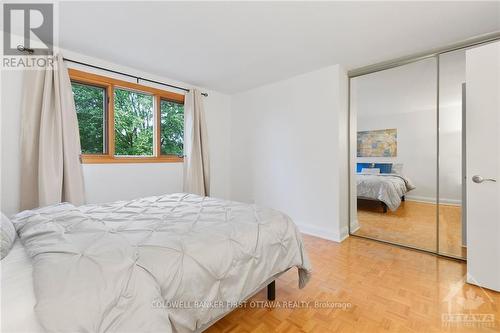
<point>381,182</point>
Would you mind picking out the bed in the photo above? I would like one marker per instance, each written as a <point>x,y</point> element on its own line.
<point>18,297</point>
<point>171,263</point>
<point>388,188</point>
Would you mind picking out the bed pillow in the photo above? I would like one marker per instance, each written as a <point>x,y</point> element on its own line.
<point>7,235</point>
<point>384,167</point>
<point>370,171</point>
<point>360,166</point>
<point>397,168</point>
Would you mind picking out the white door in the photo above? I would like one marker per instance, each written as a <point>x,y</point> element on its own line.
<point>483,165</point>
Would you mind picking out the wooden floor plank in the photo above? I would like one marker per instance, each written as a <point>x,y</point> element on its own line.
<point>390,289</point>
<point>414,224</point>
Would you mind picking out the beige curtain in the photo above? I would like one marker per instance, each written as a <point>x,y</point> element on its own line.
<point>196,159</point>
<point>50,140</point>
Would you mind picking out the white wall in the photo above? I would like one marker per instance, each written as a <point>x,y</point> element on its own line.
<point>289,150</point>
<point>10,123</point>
<point>109,182</point>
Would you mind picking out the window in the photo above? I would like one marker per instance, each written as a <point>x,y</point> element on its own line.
<point>90,103</point>
<point>171,128</point>
<point>134,119</point>
<point>122,122</point>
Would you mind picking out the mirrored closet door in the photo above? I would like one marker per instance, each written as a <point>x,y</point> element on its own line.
<point>452,87</point>
<point>406,182</point>
<point>396,154</point>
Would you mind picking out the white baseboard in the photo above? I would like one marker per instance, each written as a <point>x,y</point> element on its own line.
<point>354,226</point>
<point>323,233</point>
<point>445,201</point>
<point>344,233</point>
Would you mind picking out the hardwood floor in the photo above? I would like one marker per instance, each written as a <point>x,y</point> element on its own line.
<point>390,289</point>
<point>414,223</point>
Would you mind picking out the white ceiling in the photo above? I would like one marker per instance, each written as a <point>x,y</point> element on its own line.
<point>235,46</point>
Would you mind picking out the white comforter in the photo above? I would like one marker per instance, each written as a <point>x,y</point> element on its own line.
<point>17,296</point>
<point>158,264</point>
<point>388,188</point>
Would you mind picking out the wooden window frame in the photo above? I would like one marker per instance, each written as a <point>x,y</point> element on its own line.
<point>109,84</point>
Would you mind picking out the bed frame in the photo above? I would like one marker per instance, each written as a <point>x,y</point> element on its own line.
<point>384,206</point>
<point>270,284</point>
<point>271,291</point>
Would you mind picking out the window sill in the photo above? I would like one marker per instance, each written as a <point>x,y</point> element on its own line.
<point>104,159</point>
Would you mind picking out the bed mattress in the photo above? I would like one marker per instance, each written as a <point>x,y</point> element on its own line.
<point>171,263</point>
<point>388,188</point>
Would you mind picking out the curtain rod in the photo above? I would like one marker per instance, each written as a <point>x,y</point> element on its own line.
<point>21,48</point>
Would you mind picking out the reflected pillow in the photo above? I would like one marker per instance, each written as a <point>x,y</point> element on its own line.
<point>370,171</point>
<point>7,235</point>
<point>397,168</point>
<point>360,166</point>
<point>384,167</point>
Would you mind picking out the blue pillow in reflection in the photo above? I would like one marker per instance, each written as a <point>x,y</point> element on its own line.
<point>361,166</point>
<point>384,167</point>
